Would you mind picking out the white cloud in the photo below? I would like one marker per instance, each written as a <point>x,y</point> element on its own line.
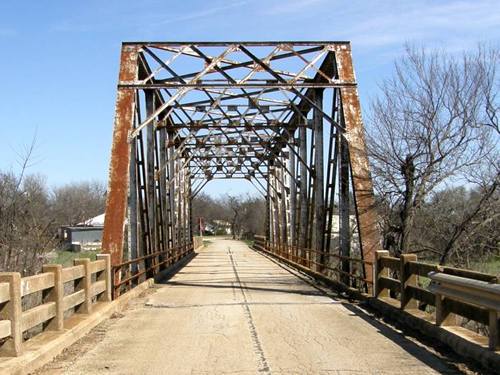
<point>391,24</point>
<point>110,19</point>
<point>209,11</point>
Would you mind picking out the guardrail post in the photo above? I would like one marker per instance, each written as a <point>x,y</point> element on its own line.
<point>443,315</point>
<point>85,283</point>
<point>380,271</point>
<point>12,311</point>
<point>56,295</point>
<point>494,333</point>
<point>407,279</point>
<point>106,276</point>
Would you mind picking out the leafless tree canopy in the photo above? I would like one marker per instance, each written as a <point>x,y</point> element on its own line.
<point>30,214</point>
<point>25,227</point>
<point>245,214</point>
<point>433,142</point>
<point>78,201</point>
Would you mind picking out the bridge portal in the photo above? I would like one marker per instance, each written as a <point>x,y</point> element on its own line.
<point>283,115</point>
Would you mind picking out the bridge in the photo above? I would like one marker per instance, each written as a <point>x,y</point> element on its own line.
<point>286,117</point>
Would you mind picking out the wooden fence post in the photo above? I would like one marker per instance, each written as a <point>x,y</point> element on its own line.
<point>12,311</point>
<point>494,332</point>
<point>106,276</point>
<point>380,292</point>
<point>85,283</point>
<point>407,279</point>
<point>56,295</point>
<point>443,315</point>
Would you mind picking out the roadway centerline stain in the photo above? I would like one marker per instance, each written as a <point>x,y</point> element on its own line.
<point>264,367</point>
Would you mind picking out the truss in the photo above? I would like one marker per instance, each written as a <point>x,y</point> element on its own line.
<point>267,112</point>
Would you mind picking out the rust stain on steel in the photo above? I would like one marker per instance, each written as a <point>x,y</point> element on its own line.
<point>360,168</point>
<point>116,202</point>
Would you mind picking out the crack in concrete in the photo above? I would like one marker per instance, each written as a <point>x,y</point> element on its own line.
<point>170,306</point>
<point>264,366</point>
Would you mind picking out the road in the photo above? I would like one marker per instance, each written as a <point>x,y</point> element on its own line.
<point>234,311</point>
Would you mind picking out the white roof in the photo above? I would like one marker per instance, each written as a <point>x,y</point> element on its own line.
<point>97,221</point>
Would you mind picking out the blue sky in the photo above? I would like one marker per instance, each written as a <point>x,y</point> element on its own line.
<point>59,59</point>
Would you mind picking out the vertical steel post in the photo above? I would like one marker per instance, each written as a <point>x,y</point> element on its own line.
<point>319,197</point>
<point>344,216</point>
<point>331,176</point>
<point>163,188</point>
<point>118,186</point>
<point>360,168</point>
<point>190,209</point>
<point>304,204</point>
<point>268,209</point>
<point>132,206</point>
<point>171,184</point>
<point>179,190</point>
<point>150,163</point>
<point>293,194</point>
<point>283,208</point>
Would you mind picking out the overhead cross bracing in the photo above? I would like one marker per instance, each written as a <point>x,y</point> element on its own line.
<point>191,112</point>
<point>224,97</point>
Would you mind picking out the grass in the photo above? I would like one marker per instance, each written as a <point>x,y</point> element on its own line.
<point>207,242</point>
<point>248,242</point>
<point>66,257</point>
<point>491,266</point>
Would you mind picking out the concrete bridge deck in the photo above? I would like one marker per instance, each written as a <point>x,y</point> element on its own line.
<point>234,311</point>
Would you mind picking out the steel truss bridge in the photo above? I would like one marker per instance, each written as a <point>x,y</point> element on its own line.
<point>286,117</point>
<point>283,115</point>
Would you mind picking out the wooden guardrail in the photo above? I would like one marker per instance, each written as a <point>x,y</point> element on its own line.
<point>91,284</point>
<point>461,292</point>
<point>32,305</point>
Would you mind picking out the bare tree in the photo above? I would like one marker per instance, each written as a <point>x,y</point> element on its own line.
<point>78,201</point>
<point>460,225</point>
<point>486,61</point>
<point>243,212</point>
<point>246,215</point>
<point>25,225</point>
<point>207,207</point>
<point>235,206</point>
<point>30,214</point>
<point>434,125</point>
<point>253,214</point>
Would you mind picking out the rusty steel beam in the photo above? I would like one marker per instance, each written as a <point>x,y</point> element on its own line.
<point>302,237</point>
<point>201,84</point>
<point>247,43</point>
<point>118,186</point>
<point>364,198</point>
<point>319,198</point>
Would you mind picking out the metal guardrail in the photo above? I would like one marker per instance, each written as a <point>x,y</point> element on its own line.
<point>307,258</point>
<point>128,274</point>
<point>473,292</point>
<point>397,282</point>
